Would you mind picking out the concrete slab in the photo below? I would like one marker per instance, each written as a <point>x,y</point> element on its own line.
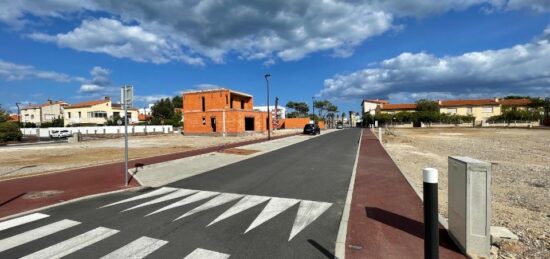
<point>502,234</point>
<point>160,174</point>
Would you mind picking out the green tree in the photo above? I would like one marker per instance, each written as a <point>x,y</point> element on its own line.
<point>177,101</point>
<point>9,131</point>
<point>427,105</point>
<point>299,109</point>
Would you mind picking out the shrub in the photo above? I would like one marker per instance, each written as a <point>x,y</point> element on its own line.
<point>9,131</point>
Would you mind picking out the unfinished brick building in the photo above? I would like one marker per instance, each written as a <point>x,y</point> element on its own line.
<point>221,111</point>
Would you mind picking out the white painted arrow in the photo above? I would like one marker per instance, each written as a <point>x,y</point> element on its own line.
<point>193,198</point>
<point>307,213</point>
<point>154,193</point>
<point>219,200</point>
<point>245,203</point>
<point>170,196</point>
<point>273,208</point>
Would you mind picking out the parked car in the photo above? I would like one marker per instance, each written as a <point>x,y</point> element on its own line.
<point>312,129</point>
<point>60,134</point>
<point>339,125</point>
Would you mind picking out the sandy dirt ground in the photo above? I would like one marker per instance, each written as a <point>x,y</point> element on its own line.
<point>521,176</point>
<point>36,159</point>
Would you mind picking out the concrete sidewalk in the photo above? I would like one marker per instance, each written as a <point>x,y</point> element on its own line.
<point>386,215</point>
<point>160,174</point>
<point>33,192</point>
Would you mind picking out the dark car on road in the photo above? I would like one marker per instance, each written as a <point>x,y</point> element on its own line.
<point>312,129</point>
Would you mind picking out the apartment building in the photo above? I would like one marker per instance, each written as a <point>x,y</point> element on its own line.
<point>370,105</point>
<point>96,112</point>
<point>31,114</point>
<point>221,111</point>
<point>481,109</point>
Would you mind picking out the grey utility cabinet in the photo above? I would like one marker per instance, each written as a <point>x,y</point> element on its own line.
<point>470,205</point>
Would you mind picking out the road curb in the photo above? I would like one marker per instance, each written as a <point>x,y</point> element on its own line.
<point>340,249</point>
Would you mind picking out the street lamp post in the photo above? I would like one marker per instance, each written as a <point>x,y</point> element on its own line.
<point>18,112</point>
<point>313,107</point>
<point>268,112</point>
<point>125,135</point>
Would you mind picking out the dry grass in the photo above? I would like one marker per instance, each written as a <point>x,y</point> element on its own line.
<point>521,175</point>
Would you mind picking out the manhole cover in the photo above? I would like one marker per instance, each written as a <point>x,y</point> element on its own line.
<point>41,194</point>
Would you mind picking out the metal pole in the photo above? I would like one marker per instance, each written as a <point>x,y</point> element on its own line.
<point>125,137</point>
<point>431,226</point>
<point>313,107</point>
<point>18,112</point>
<point>380,134</point>
<point>146,119</point>
<point>268,112</point>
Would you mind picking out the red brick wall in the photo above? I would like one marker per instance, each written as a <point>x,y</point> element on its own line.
<point>298,123</point>
<point>213,100</point>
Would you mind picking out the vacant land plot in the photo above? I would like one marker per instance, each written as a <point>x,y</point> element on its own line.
<point>521,175</point>
<point>26,160</point>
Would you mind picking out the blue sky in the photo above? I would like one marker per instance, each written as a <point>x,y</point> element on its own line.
<point>341,51</point>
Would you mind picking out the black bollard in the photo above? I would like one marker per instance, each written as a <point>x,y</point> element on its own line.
<point>431,223</point>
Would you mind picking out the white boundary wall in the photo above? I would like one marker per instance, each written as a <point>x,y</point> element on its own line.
<point>100,130</point>
<point>519,124</point>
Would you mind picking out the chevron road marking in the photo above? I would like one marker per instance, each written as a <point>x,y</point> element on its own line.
<point>193,198</point>
<point>200,253</point>
<point>245,203</point>
<point>272,209</point>
<point>21,220</point>
<point>171,196</point>
<point>74,244</point>
<point>154,193</point>
<point>217,201</point>
<point>308,211</point>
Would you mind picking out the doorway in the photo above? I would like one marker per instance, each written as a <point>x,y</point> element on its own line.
<point>213,124</point>
<point>249,124</point>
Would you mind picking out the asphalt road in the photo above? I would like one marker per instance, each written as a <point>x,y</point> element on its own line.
<point>284,204</point>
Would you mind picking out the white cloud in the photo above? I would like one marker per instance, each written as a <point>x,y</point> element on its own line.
<point>208,86</point>
<point>11,71</point>
<point>190,31</point>
<point>522,69</point>
<point>112,37</point>
<point>150,98</point>
<point>90,88</point>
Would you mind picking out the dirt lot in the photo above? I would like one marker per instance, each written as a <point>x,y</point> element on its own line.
<point>521,176</point>
<point>36,159</point>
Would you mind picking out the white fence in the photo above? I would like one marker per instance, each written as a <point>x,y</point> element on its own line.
<point>447,125</point>
<point>519,124</point>
<point>100,130</point>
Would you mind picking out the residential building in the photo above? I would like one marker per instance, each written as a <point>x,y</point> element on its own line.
<point>221,111</point>
<point>31,114</point>
<point>395,108</point>
<point>52,110</point>
<point>481,109</point>
<point>369,105</point>
<point>96,112</point>
<point>281,111</point>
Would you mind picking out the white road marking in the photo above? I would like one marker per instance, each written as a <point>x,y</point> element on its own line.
<point>36,233</point>
<point>157,192</point>
<point>245,203</point>
<point>73,244</point>
<point>170,196</point>
<point>200,253</point>
<point>273,208</point>
<point>217,201</point>
<point>138,248</point>
<point>307,213</point>
<point>21,220</point>
<point>193,198</point>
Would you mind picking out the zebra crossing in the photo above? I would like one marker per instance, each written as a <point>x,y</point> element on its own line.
<point>308,211</point>
<point>138,248</point>
<point>173,199</point>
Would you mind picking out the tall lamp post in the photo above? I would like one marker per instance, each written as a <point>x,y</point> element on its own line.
<point>18,112</point>
<point>313,107</point>
<point>268,112</point>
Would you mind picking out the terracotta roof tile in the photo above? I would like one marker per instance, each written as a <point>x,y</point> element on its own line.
<point>515,102</point>
<point>86,104</point>
<point>399,106</point>
<point>475,102</point>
